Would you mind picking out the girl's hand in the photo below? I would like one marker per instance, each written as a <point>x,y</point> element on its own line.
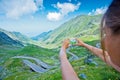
<point>62,53</point>
<point>79,42</point>
<point>65,44</point>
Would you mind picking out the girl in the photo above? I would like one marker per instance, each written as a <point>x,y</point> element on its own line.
<point>110,43</point>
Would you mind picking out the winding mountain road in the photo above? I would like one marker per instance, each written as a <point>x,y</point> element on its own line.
<point>42,67</point>
<point>34,67</point>
<point>74,57</point>
<point>39,62</point>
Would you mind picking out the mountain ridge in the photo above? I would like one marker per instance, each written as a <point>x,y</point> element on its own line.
<point>13,38</point>
<point>82,25</point>
<point>40,36</point>
<point>6,40</point>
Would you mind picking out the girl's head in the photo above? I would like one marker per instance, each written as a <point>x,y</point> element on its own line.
<point>110,31</point>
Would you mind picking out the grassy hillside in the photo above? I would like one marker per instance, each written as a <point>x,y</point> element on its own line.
<point>78,27</point>
<point>22,37</point>
<point>6,40</point>
<point>17,36</point>
<point>12,67</point>
<point>9,34</point>
<point>40,37</point>
<point>15,69</point>
<point>87,66</point>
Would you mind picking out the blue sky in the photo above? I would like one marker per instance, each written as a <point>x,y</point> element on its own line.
<point>32,17</point>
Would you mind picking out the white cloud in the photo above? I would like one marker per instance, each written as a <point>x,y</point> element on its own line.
<point>54,16</point>
<point>64,9</point>
<point>17,8</point>
<point>101,10</point>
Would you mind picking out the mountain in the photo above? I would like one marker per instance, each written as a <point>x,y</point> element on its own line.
<point>41,36</point>
<point>6,40</point>
<point>80,26</point>
<point>13,38</point>
<point>18,63</point>
<point>10,34</point>
<point>22,38</point>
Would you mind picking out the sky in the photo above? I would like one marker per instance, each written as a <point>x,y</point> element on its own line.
<point>32,17</point>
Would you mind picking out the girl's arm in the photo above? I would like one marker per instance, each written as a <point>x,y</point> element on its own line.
<point>98,52</point>
<point>68,72</point>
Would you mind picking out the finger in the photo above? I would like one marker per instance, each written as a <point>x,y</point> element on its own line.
<point>76,45</point>
<point>77,39</point>
<point>68,39</point>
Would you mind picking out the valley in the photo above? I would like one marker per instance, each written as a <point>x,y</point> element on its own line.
<point>37,58</point>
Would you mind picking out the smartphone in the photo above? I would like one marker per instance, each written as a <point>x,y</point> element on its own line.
<point>73,41</point>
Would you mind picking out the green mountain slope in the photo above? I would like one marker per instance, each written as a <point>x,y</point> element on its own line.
<point>79,26</point>
<point>12,67</point>
<point>40,37</point>
<point>6,40</point>
<point>85,27</point>
<point>17,36</point>
<point>10,34</point>
<point>15,69</point>
<point>22,38</point>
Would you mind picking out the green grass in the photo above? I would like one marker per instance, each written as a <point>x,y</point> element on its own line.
<point>14,69</point>
<point>100,72</point>
<point>80,26</point>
